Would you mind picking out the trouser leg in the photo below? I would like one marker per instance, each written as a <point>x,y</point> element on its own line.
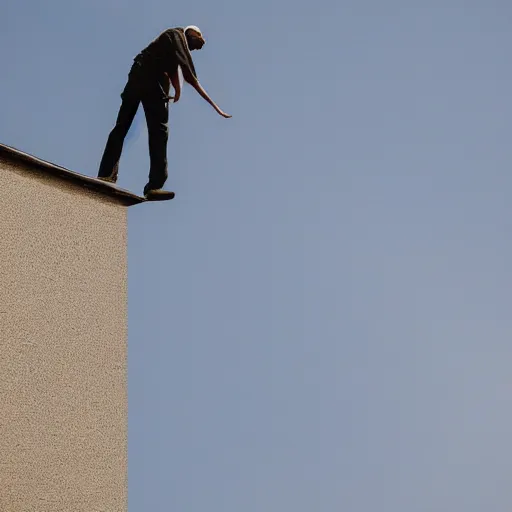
<point>109,166</point>
<point>156,110</point>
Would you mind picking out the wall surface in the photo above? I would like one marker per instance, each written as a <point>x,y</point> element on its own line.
<point>63,307</point>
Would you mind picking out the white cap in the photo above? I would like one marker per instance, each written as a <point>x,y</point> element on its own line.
<point>194,28</point>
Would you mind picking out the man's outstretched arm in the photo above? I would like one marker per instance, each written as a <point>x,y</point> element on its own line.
<point>194,82</point>
<point>187,67</point>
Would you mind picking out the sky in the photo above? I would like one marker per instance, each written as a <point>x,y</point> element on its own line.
<point>319,320</point>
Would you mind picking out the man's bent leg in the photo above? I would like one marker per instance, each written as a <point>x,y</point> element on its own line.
<point>157,117</point>
<point>109,166</point>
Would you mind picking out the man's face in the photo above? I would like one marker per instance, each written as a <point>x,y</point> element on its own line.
<point>195,40</point>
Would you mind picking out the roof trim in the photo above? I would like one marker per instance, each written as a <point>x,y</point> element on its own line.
<point>125,197</point>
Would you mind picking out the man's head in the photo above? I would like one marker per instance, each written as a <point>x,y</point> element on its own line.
<point>194,37</point>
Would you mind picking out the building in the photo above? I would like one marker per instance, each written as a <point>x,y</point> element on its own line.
<point>63,339</point>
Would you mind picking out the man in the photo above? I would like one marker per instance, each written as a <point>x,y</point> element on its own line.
<point>152,72</point>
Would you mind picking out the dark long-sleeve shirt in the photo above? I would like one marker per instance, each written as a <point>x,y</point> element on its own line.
<point>168,51</point>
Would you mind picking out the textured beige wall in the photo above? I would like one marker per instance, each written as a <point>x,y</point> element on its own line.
<point>63,294</point>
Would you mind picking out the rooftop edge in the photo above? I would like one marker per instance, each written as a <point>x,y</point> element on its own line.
<point>125,197</point>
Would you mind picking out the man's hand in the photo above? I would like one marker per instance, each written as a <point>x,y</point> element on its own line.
<point>175,81</point>
<point>223,114</point>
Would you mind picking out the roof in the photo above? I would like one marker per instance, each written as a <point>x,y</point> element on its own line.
<point>33,163</point>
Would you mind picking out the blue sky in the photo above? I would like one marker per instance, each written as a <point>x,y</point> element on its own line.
<point>320,320</point>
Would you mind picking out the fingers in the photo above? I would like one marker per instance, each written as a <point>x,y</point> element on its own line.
<point>223,114</point>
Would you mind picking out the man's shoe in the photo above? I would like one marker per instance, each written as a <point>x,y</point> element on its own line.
<point>158,194</point>
<point>108,179</point>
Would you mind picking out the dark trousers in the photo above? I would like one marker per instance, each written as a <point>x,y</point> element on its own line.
<point>149,88</point>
